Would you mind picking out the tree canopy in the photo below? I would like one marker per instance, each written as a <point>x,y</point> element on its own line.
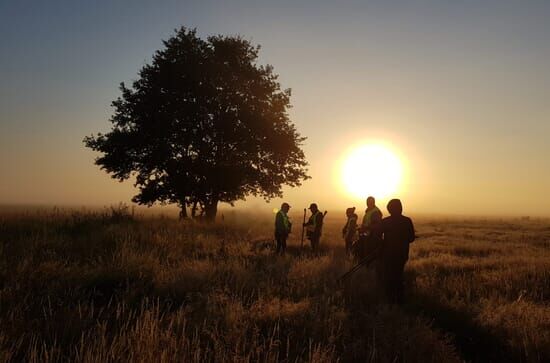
<point>203,123</point>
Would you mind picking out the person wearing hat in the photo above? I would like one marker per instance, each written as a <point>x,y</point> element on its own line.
<point>282,228</point>
<point>314,226</point>
<point>397,233</point>
<point>350,229</point>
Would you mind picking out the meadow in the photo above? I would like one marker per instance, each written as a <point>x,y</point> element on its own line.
<point>110,286</point>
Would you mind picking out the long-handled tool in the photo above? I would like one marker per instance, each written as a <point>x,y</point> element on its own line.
<point>303,229</point>
<point>364,262</point>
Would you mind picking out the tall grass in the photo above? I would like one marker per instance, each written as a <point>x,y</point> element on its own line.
<point>110,287</point>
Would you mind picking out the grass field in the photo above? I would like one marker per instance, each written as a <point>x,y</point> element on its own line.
<point>109,287</point>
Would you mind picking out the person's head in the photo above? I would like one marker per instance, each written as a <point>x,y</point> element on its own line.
<point>285,207</point>
<point>313,208</point>
<point>395,207</point>
<point>350,211</point>
<point>371,202</point>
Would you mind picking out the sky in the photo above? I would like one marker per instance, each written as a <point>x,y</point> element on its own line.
<point>457,89</point>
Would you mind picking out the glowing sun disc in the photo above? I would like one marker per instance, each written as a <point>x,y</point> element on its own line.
<point>371,169</point>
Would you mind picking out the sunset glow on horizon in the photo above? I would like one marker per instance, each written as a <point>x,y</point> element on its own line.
<point>457,91</point>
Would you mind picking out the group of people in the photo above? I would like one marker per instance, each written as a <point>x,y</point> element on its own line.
<point>388,238</point>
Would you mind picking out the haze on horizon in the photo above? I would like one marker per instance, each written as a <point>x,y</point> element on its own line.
<point>458,90</point>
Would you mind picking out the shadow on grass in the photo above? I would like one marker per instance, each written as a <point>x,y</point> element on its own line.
<point>376,331</point>
<point>451,327</point>
<point>474,342</point>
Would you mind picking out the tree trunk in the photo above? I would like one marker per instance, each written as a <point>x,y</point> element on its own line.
<point>194,210</point>
<point>211,208</point>
<point>183,211</point>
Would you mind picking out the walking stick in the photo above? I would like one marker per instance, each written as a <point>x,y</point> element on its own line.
<point>303,229</point>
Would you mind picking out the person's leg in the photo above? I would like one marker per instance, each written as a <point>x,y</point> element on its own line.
<point>384,277</point>
<point>314,242</point>
<point>278,238</point>
<point>394,283</point>
<point>399,283</point>
<point>283,245</point>
<point>380,276</point>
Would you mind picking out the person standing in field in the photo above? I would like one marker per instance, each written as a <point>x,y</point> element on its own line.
<point>314,226</point>
<point>282,228</point>
<point>398,232</point>
<point>350,229</point>
<point>369,237</point>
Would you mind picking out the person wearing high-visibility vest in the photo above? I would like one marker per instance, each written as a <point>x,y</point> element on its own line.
<point>282,228</point>
<point>314,226</point>
<point>369,237</point>
<point>372,217</point>
<point>350,229</point>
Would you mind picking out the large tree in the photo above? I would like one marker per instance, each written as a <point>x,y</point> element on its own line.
<point>203,124</point>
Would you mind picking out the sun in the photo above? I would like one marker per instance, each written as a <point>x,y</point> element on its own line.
<point>371,169</point>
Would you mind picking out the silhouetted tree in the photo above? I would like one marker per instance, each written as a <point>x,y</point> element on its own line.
<point>203,124</point>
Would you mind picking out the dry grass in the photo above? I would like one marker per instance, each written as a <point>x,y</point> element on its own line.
<point>103,286</point>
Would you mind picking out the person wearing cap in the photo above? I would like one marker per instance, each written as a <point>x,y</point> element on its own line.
<point>282,228</point>
<point>314,226</point>
<point>397,232</point>
<point>350,228</point>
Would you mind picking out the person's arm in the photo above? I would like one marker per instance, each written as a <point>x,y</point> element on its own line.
<point>376,218</point>
<point>380,228</point>
<point>363,226</point>
<point>411,233</point>
<point>375,221</point>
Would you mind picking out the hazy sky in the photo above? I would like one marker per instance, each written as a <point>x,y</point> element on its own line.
<point>459,89</point>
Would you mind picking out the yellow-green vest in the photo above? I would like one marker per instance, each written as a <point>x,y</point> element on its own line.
<point>285,220</point>
<point>367,219</point>
<point>311,228</point>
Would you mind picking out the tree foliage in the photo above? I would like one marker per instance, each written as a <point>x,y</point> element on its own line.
<point>203,123</point>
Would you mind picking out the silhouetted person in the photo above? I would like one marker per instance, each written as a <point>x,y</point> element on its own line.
<point>350,228</point>
<point>398,232</point>
<point>369,234</point>
<point>314,226</point>
<point>372,216</point>
<point>282,228</point>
